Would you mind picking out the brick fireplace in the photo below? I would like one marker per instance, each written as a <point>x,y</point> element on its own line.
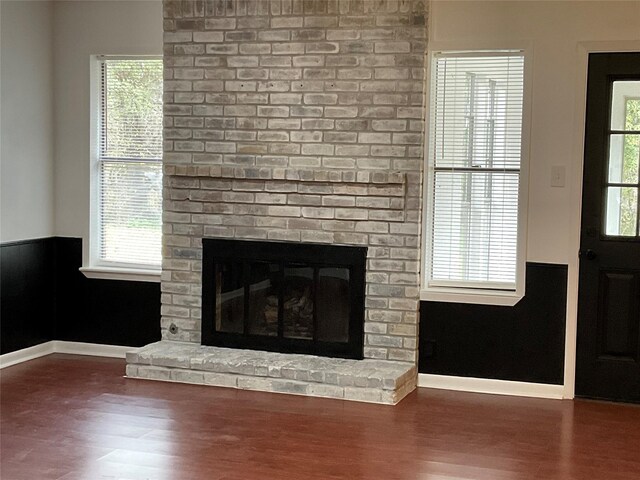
<point>302,122</point>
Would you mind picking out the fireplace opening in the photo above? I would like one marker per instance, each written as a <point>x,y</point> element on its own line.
<point>285,297</point>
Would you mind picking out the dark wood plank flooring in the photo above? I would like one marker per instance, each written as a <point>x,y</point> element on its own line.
<point>70,417</point>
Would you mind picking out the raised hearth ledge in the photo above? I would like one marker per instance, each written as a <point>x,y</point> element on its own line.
<point>266,173</point>
<point>374,381</point>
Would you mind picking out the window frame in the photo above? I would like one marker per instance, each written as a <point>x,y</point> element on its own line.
<point>457,293</point>
<point>620,184</point>
<point>93,265</point>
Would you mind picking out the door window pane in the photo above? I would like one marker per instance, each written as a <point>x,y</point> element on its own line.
<point>625,106</point>
<point>632,114</point>
<point>624,152</point>
<point>622,211</point>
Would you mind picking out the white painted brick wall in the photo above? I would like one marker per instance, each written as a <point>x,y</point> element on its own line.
<point>299,121</point>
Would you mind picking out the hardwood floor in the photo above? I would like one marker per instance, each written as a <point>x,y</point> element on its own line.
<point>69,417</point>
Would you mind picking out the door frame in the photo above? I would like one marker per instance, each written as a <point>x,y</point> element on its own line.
<point>575,195</point>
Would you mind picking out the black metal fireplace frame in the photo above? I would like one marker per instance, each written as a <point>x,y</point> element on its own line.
<point>284,253</point>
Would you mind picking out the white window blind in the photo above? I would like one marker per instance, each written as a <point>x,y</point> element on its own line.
<point>474,169</point>
<point>130,162</point>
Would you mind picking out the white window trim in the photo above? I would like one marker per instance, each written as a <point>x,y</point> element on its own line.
<point>132,274</point>
<point>93,267</point>
<point>479,295</point>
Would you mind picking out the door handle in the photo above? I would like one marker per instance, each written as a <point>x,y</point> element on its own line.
<point>588,254</point>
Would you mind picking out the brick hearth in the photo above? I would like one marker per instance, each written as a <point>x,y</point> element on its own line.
<point>374,381</point>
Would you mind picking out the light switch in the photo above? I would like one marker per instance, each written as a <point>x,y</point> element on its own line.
<point>558,176</point>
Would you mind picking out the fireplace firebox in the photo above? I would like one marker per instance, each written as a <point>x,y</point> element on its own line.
<point>284,297</point>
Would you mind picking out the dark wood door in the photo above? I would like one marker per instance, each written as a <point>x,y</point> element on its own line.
<point>608,350</point>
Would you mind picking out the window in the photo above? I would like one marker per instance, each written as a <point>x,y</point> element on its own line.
<point>622,218</point>
<point>127,214</point>
<point>475,173</point>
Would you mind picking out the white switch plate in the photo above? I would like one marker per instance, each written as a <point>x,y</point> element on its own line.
<point>558,176</point>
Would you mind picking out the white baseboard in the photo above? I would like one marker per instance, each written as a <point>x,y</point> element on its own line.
<point>26,354</point>
<point>444,382</point>
<point>486,385</point>
<point>58,346</point>
<point>92,349</point>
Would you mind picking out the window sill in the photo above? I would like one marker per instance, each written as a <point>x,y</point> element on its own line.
<point>128,274</point>
<point>480,297</point>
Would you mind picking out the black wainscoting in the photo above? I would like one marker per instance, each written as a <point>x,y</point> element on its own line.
<point>27,315</point>
<point>111,312</point>
<point>520,343</point>
<point>45,297</point>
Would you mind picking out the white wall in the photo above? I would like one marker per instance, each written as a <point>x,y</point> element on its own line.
<point>26,110</point>
<point>554,30</point>
<point>82,29</point>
